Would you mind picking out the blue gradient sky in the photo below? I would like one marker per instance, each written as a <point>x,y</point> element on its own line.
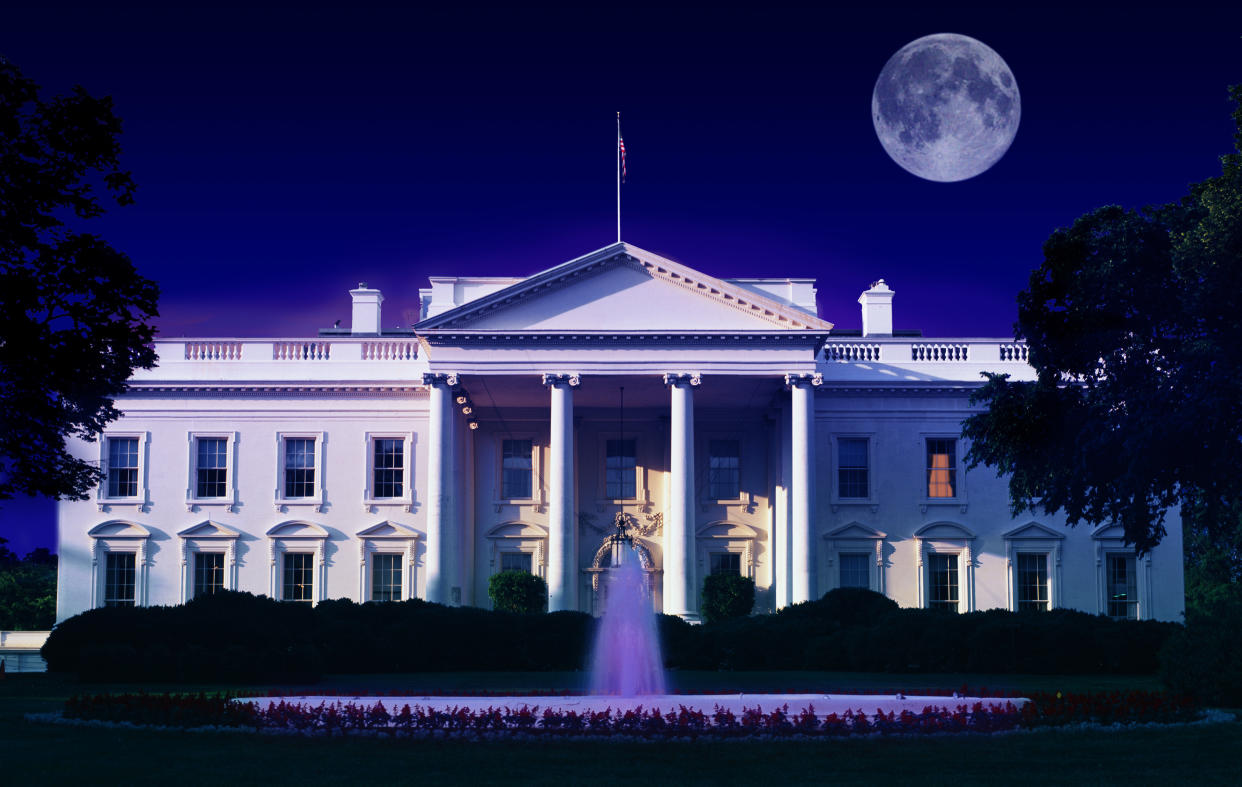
<point>285,152</point>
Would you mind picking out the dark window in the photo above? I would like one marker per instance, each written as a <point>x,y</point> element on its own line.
<point>212,467</point>
<point>516,467</point>
<point>726,563</point>
<point>299,577</point>
<point>941,467</point>
<point>1122,588</point>
<point>122,467</point>
<point>724,475</point>
<point>208,573</point>
<point>855,571</point>
<point>515,561</point>
<point>620,470</point>
<point>119,579</point>
<point>942,582</point>
<point>1032,581</point>
<point>385,577</point>
<point>852,469</point>
<point>389,467</point>
<point>299,467</point>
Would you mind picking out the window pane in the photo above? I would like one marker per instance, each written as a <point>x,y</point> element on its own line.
<point>122,467</point>
<point>726,563</point>
<point>942,582</point>
<point>855,570</point>
<point>852,469</point>
<point>620,470</point>
<point>298,577</point>
<point>515,561</point>
<point>1032,579</point>
<point>389,467</point>
<point>724,479</point>
<point>1122,587</point>
<point>212,467</point>
<point>208,573</point>
<point>941,467</point>
<point>299,467</point>
<point>516,465</point>
<point>386,577</point>
<point>119,578</point>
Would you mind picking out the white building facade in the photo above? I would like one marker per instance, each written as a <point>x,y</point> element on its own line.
<point>726,424</point>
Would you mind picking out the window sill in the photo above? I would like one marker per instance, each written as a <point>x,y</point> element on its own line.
<point>954,502</point>
<point>138,502</point>
<point>403,502</point>
<point>861,502</point>
<point>297,502</point>
<point>210,502</point>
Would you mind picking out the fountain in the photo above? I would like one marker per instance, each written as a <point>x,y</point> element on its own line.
<point>625,661</point>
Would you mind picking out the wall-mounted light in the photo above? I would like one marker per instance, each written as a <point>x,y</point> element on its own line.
<point>467,410</point>
<point>462,399</point>
<point>473,424</point>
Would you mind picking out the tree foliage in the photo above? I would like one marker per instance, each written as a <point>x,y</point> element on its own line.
<point>27,590</point>
<point>1134,326</point>
<point>518,591</point>
<point>727,596</point>
<point>74,312</point>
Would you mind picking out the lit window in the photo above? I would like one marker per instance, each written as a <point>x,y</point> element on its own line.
<point>852,469</point>
<point>516,465</point>
<point>389,467</point>
<point>299,577</point>
<point>942,582</point>
<point>1122,588</point>
<point>122,467</point>
<point>724,476</point>
<point>941,467</point>
<point>855,571</point>
<point>299,467</point>
<point>726,563</point>
<point>386,577</point>
<point>208,573</point>
<point>211,468</point>
<point>515,561</point>
<point>119,577</point>
<point>620,470</point>
<point>1032,581</point>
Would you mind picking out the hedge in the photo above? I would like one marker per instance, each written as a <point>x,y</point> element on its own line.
<point>245,638</point>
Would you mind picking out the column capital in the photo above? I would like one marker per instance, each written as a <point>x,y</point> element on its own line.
<point>440,378</point>
<point>572,380</point>
<point>683,378</point>
<point>796,380</point>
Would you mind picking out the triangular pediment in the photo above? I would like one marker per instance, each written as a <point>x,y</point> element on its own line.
<point>1033,530</point>
<point>209,529</point>
<point>388,530</point>
<point>623,288</point>
<point>854,530</point>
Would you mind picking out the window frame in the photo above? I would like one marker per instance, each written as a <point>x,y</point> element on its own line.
<point>406,500</point>
<point>1110,541</point>
<point>1033,538</point>
<point>387,538</point>
<point>315,501</point>
<point>142,498</point>
<point>954,560</point>
<point>725,551</point>
<point>1017,578</point>
<point>960,492</point>
<point>230,499</point>
<point>947,538</point>
<point>107,574</point>
<point>642,495</point>
<point>296,535</point>
<point>207,536</point>
<point>310,569</point>
<point>704,449</point>
<point>537,495</point>
<point>855,538</point>
<point>518,536</point>
<point>119,536</point>
<point>835,464</point>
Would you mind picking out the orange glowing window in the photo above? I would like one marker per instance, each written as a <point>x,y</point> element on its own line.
<point>941,467</point>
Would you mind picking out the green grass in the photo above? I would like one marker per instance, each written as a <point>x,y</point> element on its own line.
<point>32,753</point>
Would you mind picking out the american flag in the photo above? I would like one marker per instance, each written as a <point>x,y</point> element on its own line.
<point>621,144</point>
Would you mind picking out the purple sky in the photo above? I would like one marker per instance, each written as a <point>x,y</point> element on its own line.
<point>285,153</point>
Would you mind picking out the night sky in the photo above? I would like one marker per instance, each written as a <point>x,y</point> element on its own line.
<point>285,153</point>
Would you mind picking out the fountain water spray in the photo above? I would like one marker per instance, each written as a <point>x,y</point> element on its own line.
<point>626,661</point>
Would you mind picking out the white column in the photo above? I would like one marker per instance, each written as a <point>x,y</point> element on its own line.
<point>439,482</point>
<point>802,542</point>
<point>562,527</point>
<point>681,595</point>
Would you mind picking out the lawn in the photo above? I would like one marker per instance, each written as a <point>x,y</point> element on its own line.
<point>47,754</point>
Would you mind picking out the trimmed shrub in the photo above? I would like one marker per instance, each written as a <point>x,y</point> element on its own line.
<point>518,591</point>
<point>727,596</point>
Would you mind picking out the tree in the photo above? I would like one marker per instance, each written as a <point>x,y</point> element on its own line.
<point>1134,327</point>
<point>518,591</point>
<point>74,312</point>
<point>27,590</point>
<point>727,596</point>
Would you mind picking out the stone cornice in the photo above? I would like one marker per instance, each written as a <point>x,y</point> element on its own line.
<point>274,390</point>
<point>501,338</point>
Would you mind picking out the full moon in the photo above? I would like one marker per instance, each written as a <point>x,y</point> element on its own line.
<point>946,107</point>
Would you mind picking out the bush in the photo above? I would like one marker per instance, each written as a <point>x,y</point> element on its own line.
<point>518,591</point>
<point>1205,659</point>
<point>727,596</point>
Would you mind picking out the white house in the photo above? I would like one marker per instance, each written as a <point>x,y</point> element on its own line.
<point>732,428</point>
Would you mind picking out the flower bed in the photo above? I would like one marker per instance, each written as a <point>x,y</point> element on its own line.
<point>338,718</point>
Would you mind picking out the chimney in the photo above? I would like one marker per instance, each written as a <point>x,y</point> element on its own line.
<point>877,310</point>
<point>366,318</point>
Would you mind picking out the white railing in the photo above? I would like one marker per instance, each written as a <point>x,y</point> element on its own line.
<point>400,350</point>
<point>301,351</point>
<point>847,352</point>
<point>1015,351</point>
<point>900,351</point>
<point>213,351</point>
<point>937,352</point>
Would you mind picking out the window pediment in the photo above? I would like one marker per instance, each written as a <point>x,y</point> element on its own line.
<point>388,530</point>
<point>944,531</point>
<point>209,529</point>
<point>729,530</point>
<point>518,530</point>
<point>297,530</point>
<point>855,530</point>
<point>1033,530</point>
<point>1111,531</point>
<point>119,529</point>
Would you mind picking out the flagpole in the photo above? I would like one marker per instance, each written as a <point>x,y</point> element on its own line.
<point>618,152</point>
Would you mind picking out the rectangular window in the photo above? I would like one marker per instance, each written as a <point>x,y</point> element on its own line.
<point>208,573</point>
<point>942,582</point>
<point>119,578</point>
<point>1032,582</point>
<point>299,467</point>
<point>1122,588</point>
<point>724,474</point>
<point>726,563</point>
<point>852,468</point>
<point>620,470</point>
<point>516,465</point>
<point>941,467</point>
<point>299,577</point>
<point>122,467</point>
<point>211,468</point>
<point>389,467</point>
<point>855,570</point>
<point>385,577</point>
<point>515,561</point>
